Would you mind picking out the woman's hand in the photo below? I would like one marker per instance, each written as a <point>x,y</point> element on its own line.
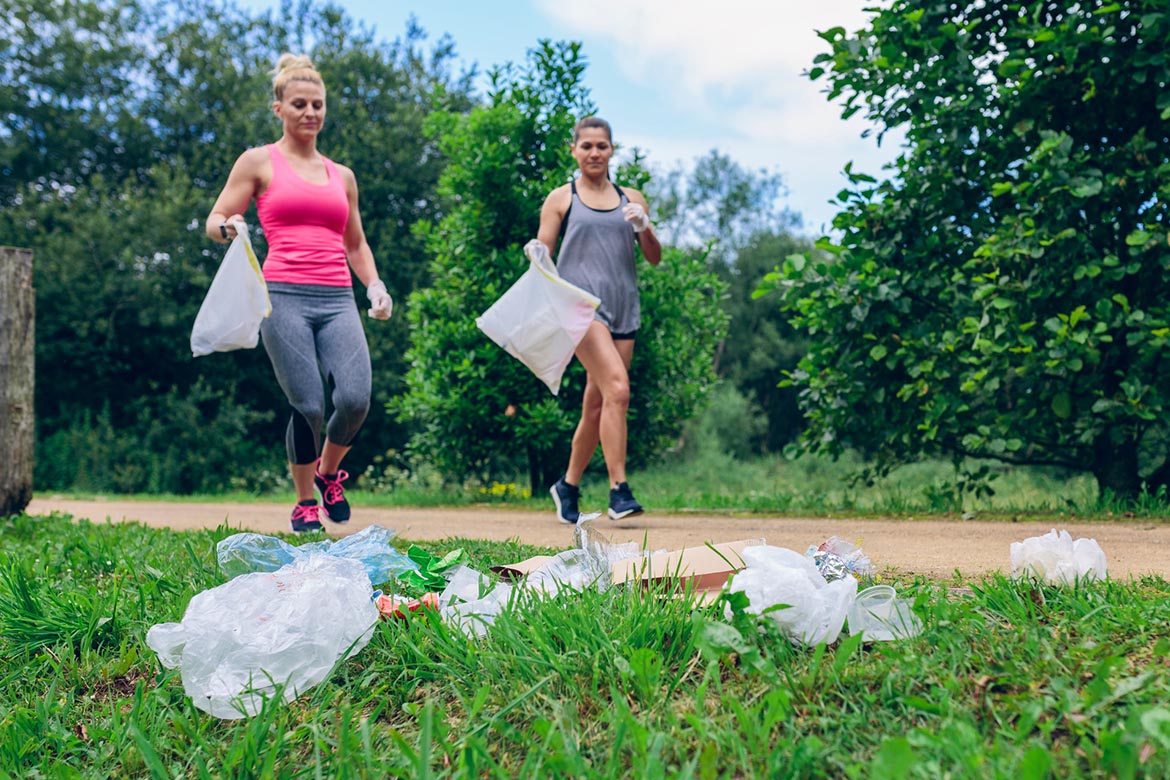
<point>636,216</point>
<point>381,304</point>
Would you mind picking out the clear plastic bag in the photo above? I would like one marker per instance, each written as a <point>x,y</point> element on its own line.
<point>461,604</point>
<point>816,609</point>
<point>242,553</point>
<point>236,301</point>
<point>589,565</point>
<point>1058,560</point>
<point>237,642</point>
<point>541,319</point>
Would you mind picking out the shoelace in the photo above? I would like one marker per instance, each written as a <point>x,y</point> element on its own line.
<point>306,513</point>
<point>333,489</point>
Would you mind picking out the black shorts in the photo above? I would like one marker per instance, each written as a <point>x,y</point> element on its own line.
<point>624,336</point>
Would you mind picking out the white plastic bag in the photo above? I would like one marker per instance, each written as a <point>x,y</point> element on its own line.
<point>239,640</point>
<point>541,319</point>
<point>461,605</point>
<point>236,301</point>
<point>815,610</point>
<point>1057,560</point>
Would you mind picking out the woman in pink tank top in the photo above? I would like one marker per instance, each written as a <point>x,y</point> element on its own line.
<point>308,208</point>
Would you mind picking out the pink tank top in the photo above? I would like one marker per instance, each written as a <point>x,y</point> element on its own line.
<point>305,226</point>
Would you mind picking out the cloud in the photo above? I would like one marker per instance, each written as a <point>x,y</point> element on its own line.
<point>735,66</point>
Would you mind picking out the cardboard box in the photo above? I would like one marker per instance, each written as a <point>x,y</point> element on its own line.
<point>702,570</point>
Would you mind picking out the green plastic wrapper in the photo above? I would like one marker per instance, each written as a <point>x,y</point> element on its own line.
<point>432,571</point>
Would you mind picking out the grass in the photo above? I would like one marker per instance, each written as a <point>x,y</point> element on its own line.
<point>809,486</point>
<point>1008,679</point>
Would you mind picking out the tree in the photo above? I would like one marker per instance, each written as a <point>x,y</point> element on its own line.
<point>1001,294</point>
<point>478,411</point>
<point>737,214</point>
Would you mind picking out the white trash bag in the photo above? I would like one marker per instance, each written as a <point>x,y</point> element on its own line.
<point>239,640</point>
<point>236,301</point>
<point>816,608</point>
<point>1056,559</point>
<point>541,319</point>
<point>881,616</point>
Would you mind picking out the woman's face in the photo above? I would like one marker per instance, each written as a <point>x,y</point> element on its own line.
<point>592,151</point>
<point>302,109</point>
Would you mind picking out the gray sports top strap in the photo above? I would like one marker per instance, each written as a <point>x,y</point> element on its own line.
<point>597,254</point>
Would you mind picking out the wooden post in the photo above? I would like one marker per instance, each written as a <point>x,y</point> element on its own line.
<point>17,314</point>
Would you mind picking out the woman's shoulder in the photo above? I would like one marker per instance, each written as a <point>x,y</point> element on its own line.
<point>634,195</point>
<point>560,198</point>
<point>254,157</point>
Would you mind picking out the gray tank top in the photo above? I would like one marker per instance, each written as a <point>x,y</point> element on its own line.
<point>597,254</point>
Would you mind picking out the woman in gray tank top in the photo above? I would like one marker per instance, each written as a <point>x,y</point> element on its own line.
<point>600,223</point>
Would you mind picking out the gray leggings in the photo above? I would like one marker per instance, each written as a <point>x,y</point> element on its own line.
<point>315,333</point>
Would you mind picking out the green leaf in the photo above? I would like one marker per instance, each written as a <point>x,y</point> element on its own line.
<point>1035,764</point>
<point>878,353</point>
<point>893,761</point>
<point>1137,238</point>
<point>1062,405</point>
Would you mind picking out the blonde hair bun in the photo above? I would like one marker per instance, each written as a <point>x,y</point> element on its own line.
<point>293,67</point>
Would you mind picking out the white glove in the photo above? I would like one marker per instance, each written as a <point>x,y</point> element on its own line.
<point>381,304</point>
<point>537,252</point>
<point>636,216</point>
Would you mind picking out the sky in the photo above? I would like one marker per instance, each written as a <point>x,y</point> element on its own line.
<point>678,78</point>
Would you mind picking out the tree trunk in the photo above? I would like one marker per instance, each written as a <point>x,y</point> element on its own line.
<point>17,305</point>
<point>1115,465</point>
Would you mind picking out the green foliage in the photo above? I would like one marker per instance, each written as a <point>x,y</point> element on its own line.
<point>479,412</point>
<point>1001,293</point>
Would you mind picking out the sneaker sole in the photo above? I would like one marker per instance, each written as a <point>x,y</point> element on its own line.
<point>310,530</point>
<point>623,515</point>
<point>324,511</point>
<point>557,501</point>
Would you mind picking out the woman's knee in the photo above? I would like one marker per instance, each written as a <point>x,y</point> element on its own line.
<point>616,392</point>
<point>352,406</point>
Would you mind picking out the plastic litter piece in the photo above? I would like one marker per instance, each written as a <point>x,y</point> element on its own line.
<point>589,565</point>
<point>243,553</point>
<point>881,616</point>
<point>836,558</point>
<point>432,572</point>
<point>398,607</point>
<point>238,641</point>
<point>774,576</point>
<point>1056,559</point>
<point>465,604</point>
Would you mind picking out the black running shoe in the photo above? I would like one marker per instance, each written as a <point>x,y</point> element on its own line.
<point>622,502</point>
<point>566,497</point>
<point>306,517</point>
<point>332,495</point>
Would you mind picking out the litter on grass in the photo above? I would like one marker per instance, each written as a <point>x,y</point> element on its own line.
<point>1056,559</point>
<point>241,642</point>
<point>243,553</point>
<point>836,558</point>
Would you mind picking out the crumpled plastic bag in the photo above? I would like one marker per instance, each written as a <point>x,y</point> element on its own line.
<point>461,604</point>
<point>1056,559</point>
<point>237,642</point>
<point>588,565</point>
<point>775,575</point>
<point>243,553</point>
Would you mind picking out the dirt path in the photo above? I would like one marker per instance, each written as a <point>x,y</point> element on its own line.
<point>928,547</point>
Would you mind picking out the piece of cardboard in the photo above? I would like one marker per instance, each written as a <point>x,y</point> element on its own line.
<point>520,569</point>
<point>701,570</point>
